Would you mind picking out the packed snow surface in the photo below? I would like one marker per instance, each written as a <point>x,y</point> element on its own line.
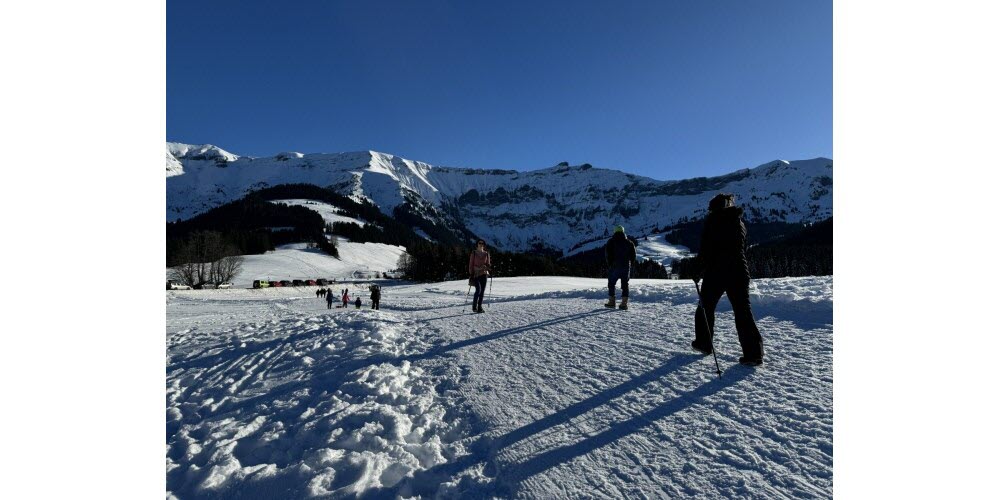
<point>546,395</point>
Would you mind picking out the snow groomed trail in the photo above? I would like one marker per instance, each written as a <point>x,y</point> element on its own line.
<point>547,394</point>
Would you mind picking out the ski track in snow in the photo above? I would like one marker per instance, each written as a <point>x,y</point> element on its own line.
<point>548,394</point>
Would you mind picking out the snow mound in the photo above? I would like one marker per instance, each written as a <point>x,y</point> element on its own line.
<point>306,406</point>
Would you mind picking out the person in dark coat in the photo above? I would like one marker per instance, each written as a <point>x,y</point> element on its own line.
<point>376,296</point>
<point>357,303</point>
<point>620,254</point>
<point>329,299</point>
<point>722,262</point>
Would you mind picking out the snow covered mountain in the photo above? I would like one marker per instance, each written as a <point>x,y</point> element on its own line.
<point>560,208</point>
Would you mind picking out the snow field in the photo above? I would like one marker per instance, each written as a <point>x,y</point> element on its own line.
<point>300,407</point>
<point>546,395</point>
<point>330,213</point>
<point>296,261</point>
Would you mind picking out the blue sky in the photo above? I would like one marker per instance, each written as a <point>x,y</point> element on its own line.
<point>663,89</point>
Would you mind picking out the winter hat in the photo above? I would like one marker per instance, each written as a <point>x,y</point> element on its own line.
<point>720,201</point>
<point>620,229</point>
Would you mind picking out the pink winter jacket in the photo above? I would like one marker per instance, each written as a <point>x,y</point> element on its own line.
<point>479,263</point>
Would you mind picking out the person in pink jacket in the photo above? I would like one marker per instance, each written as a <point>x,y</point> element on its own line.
<point>479,270</point>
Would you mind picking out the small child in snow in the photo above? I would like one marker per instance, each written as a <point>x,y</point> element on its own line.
<point>357,303</point>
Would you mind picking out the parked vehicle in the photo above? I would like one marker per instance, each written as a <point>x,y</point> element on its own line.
<point>286,283</point>
<point>261,283</point>
<point>223,286</point>
<point>173,285</point>
<point>311,282</point>
<point>298,283</point>
<point>322,282</point>
<point>276,283</point>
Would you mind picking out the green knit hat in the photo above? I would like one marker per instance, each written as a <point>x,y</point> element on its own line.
<point>620,229</point>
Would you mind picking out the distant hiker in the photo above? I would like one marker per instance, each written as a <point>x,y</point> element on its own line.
<point>329,299</point>
<point>319,292</point>
<point>620,254</point>
<point>376,296</point>
<point>345,298</point>
<point>723,263</point>
<point>479,270</point>
<point>357,303</point>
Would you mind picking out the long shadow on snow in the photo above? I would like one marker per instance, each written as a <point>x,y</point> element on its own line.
<point>500,334</point>
<point>333,377</point>
<point>485,450</point>
<point>537,464</point>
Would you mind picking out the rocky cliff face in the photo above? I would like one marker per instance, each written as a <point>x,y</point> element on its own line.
<point>559,208</point>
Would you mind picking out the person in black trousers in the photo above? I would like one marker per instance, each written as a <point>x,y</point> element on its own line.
<point>723,264</point>
<point>620,254</point>
<point>480,267</point>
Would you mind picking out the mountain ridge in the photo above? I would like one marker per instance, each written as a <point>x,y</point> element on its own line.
<point>553,208</point>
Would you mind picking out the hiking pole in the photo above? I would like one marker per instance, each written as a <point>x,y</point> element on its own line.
<point>711,334</point>
<point>491,292</point>
<point>466,303</point>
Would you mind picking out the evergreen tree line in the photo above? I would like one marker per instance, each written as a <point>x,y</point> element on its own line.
<point>428,261</point>
<point>808,252</point>
<point>380,228</point>
<point>688,234</point>
<point>251,225</point>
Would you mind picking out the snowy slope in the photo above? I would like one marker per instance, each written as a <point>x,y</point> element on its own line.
<point>546,395</point>
<point>295,261</point>
<point>558,207</point>
<point>655,247</point>
<point>329,212</point>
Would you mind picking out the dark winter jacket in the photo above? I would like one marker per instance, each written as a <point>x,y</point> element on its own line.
<point>723,244</point>
<point>619,252</point>
<point>376,294</point>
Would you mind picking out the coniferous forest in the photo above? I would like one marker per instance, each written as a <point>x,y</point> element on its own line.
<point>254,225</point>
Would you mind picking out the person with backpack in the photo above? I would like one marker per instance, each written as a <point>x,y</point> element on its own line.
<point>329,298</point>
<point>376,296</point>
<point>620,254</point>
<point>722,264</point>
<point>479,271</point>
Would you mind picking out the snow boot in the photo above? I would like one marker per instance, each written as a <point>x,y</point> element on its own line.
<point>624,306</point>
<point>704,350</point>
<point>751,361</point>
<point>611,302</point>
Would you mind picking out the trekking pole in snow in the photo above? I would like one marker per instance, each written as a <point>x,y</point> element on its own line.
<point>711,334</point>
<point>491,291</point>
<point>466,303</point>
